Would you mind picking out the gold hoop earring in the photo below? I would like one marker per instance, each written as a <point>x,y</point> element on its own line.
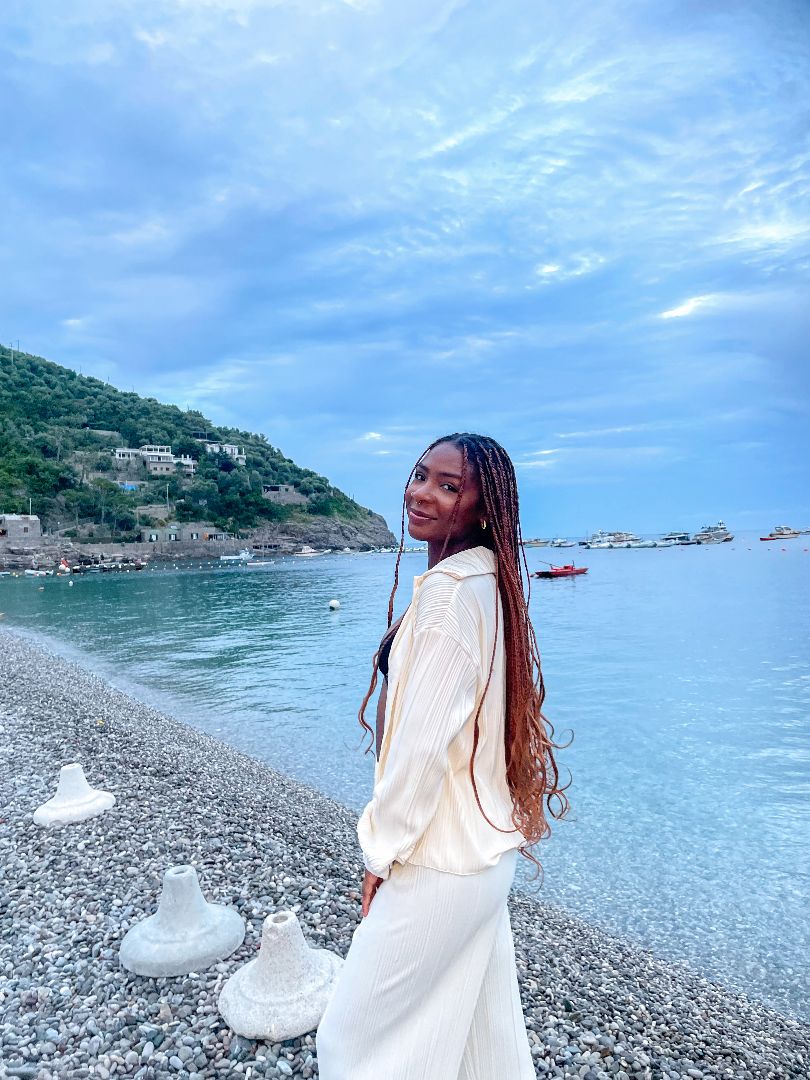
<point>483,523</point>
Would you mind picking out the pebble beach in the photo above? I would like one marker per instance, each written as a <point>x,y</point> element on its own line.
<point>596,1006</point>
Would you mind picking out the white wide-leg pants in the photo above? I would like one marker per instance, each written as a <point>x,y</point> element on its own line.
<point>429,988</point>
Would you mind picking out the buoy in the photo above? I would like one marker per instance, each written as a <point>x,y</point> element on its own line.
<point>70,583</point>
<point>185,934</point>
<point>284,992</point>
<point>334,605</point>
<point>74,800</point>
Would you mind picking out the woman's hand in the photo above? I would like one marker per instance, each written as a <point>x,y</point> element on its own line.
<point>370,885</point>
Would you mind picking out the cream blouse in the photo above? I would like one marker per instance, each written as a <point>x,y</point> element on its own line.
<point>423,809</point>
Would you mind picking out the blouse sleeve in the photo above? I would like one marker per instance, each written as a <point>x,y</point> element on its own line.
<point>436,699</point>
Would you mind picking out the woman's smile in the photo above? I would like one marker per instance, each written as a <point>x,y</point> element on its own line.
<point>418,515</point>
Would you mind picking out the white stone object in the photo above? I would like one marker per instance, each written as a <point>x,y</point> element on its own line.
<point>334,605</point>
<point>74,800</point>
<point>185,934</point>
<point>284,992</point>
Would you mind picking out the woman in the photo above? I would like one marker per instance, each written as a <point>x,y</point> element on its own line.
<point>429,988</point>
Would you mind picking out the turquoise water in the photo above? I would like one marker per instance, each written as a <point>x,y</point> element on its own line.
<point>684,673</point>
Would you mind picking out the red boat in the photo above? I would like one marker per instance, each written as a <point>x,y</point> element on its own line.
<point>569,570</point>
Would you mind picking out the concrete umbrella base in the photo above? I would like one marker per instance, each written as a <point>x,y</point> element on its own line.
<point>284,992</point>
<point>185,934</point>
<point>74,800</point>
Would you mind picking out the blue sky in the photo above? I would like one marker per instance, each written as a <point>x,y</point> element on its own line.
<point>580,228</point>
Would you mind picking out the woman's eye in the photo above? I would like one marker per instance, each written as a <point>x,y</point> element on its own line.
<point>451,487</point>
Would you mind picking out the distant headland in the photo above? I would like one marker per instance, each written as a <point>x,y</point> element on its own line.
<point>84,465</point>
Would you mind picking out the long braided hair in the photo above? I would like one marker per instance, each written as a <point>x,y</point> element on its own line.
<point>531,769</point>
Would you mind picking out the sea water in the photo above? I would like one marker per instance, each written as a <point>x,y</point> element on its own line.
<point>684,674</point>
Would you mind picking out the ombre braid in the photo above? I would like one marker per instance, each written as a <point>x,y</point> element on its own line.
<point>531,769</point>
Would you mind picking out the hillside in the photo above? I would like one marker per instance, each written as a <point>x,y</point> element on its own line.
<point>62,437</point>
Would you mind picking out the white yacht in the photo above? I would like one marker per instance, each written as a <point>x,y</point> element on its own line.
<point>676,538</point>
<point>560,542</point>
<point>713,534</point>
<point>602,539</point>
<point>307,552</point>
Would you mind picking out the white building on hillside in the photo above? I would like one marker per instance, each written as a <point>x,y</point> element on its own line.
<point>158,459</point>
<point>231,449</point>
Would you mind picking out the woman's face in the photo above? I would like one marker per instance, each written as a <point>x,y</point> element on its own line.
<point>432,494</point>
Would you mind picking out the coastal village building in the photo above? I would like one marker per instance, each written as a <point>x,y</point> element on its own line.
<point>233,451</point>
<point>159,460</point>
<point>187,532</point>
<point>285,494</point>
<point>186,463</point>
<point>19,527</point>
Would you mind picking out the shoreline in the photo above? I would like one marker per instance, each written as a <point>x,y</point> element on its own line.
<point>595,1005</point>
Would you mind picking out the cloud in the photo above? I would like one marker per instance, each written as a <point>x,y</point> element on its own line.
<point>575,266</point>
<point>155,39</point>
<point>144,233</point>
<point>688,307</point>
<point>419,218</point>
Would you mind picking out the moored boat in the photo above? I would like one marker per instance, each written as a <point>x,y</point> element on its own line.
<point>107,566</point>
<point>713,534</point>
<point>601,539</point>
<point>569,570</point>
<point>243,556</point>
<point>676,538</point>
<point>782,532</point>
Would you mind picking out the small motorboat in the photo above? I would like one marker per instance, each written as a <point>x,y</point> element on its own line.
<point>782,532</point>
<point>569,570</point>
<point>243,557</point>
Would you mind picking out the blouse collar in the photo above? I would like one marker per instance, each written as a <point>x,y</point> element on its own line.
<point>474,560</point>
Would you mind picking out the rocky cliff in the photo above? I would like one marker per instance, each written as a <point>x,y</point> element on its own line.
<point>336,532</point>
<point>357,533</point>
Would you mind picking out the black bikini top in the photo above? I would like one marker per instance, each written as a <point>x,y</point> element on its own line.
<point>385,649</point>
